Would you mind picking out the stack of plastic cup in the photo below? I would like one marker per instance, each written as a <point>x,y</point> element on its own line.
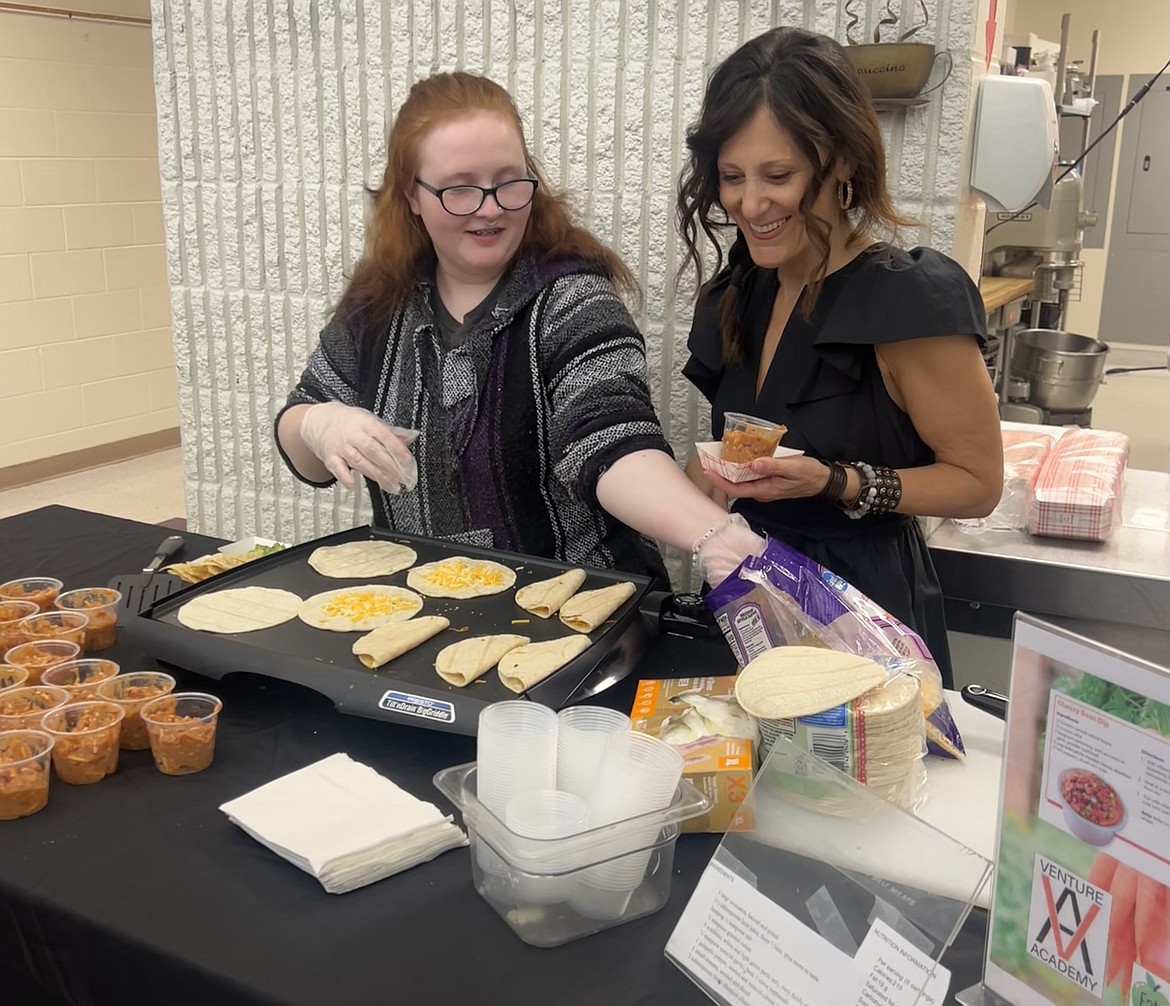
<point>546,814</point>
<point>583,738</point>
<point>639,775</point>
<point>516,752</point>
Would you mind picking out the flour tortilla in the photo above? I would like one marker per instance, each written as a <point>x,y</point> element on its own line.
<point>389,641</point>
<point>530,664</point>
<point>545,597</point>
<point>359,609</point>
<point>358,560</point>
<point>461,577</point>
<point>239,609</point>
<point>585,611</point>
<point>789,681</point>
<point>461,663</point>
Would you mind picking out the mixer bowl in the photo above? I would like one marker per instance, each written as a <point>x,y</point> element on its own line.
<point>1064,370</point>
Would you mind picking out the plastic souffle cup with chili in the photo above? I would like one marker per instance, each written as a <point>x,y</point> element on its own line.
<point>67,625</point>
<point>182,730</point>
<point>12,613</point>
<point>100,605</point>
<point>86,740</point>
<point>24,772</point>
<point>41,654</point>
<point>23,708</point>
<point>80,678</point>
<point>41,590</point>
<point>132,691</point>
<point>746,438</point>
<point>12,676</point>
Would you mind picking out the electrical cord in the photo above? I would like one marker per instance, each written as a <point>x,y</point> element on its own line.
<point>1145,89</point>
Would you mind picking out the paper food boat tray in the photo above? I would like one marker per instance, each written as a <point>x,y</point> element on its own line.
<point>406,690</point>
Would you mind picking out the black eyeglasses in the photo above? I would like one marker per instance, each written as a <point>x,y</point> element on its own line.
<point>464,200</point>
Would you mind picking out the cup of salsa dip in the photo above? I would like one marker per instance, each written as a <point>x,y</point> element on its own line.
<point>23,708</point>
<point>41,590</point>
<point>41,654</point>
<point>86,741</point>
<point>12,676</point>
<point>67,625</point>
<point>746,438</point>
<point>24,772</point>
<point>12,613</point>
<point>132,691</point>
<point>80,678</point>
<point>1093,809</point>
<point>100,605</point>
<point>182,728</point>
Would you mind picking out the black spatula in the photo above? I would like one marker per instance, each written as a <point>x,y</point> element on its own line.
<point>141,590</point>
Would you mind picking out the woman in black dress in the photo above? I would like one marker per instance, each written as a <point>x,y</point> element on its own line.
<point>871,355</point>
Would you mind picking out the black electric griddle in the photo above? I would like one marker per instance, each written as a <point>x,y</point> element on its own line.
<point>406,690</point>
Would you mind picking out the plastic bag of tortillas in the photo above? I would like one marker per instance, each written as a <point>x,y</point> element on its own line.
<point>784,598</point>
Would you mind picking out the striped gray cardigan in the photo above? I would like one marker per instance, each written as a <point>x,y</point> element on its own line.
<point>517,423</point>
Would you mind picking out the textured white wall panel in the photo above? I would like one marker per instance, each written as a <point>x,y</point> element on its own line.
<point>273,118</point>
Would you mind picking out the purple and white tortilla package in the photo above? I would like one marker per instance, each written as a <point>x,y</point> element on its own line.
<point>782,597</point>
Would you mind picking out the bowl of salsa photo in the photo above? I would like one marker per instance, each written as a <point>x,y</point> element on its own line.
<point>1093,810</point>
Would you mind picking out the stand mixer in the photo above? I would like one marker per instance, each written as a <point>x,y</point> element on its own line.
<point>1035,231</point>
<point>1044,244</point>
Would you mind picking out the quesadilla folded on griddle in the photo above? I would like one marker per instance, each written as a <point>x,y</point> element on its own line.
<point>530,664</point>
<point>389,641</point>
<point>545,597</point>
<point>585,611</point>
<point>461,663</point>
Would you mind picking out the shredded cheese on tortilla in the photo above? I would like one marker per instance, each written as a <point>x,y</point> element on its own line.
<point>362,604</point>
<point>456,574</point>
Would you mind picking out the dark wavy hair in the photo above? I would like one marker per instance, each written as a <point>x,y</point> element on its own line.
<point>398,251</point>
<point>812,90</point>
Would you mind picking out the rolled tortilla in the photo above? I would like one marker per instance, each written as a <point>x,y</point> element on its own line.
<point>545,597</point>
<point>389,641</point>
<point>461,663</point>
<point>530,664</point>
<point>585,611</point>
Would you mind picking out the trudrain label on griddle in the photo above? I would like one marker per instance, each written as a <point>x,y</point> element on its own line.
<point>418,705</point>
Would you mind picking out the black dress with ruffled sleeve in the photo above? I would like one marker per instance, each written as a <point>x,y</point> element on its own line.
<point>825,385</point>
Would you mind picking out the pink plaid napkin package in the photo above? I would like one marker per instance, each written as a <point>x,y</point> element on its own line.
<point>1077,493</point>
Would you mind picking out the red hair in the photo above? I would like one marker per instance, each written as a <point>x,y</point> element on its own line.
<point>398,249</point>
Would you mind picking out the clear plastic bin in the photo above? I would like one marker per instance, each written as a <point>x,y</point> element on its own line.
<point>524,863</point>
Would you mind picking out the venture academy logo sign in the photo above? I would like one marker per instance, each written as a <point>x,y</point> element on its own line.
<point>1068,924</point>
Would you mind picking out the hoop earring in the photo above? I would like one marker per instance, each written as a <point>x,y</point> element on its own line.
<point>845,194</point>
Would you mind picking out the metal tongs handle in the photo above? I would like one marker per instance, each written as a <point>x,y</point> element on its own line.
<point>168,548</point>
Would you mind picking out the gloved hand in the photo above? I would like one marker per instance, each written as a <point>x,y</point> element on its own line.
<point>724,547</point>
<point>348,439</point>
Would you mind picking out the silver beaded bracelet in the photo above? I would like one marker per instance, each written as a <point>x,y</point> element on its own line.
<point>881,491</point>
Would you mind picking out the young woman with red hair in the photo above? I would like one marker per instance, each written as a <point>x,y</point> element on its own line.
<point>481,372</point>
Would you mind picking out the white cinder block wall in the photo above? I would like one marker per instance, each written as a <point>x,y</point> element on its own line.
<point>272,119</point>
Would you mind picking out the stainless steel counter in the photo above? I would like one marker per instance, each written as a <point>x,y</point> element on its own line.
<point>988,575</point>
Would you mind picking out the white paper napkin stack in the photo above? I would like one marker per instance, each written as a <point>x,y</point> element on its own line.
<point>344,823</point>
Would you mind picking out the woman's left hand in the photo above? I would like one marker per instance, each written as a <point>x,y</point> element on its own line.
<point>783,479</point>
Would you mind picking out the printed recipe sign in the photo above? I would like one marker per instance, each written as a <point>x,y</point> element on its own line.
<point>1081,913</point>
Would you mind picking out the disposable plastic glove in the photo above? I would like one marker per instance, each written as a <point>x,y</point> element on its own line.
<point>348,439</point>
<point>724,547</point>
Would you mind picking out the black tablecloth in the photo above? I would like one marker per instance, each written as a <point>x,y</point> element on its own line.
<point>139,891</point>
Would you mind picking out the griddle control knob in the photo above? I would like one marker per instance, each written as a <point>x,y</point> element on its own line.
<point>690,606</point>
<point>687,615</point>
